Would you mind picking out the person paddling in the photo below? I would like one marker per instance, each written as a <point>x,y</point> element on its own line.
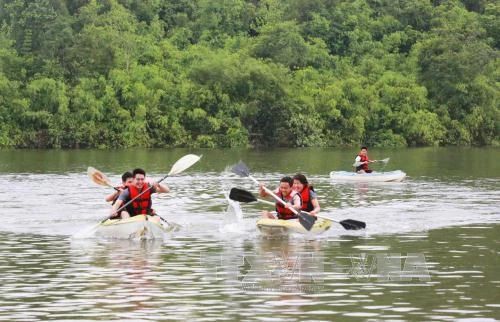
<point>127,179</point>
<point>141,204</point>
<point>361,161</point>
<point>286,193</point>
<point>307,194</point>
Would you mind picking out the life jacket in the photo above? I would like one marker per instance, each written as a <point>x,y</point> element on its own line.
<point>283,212</point>
<point>141,205</point>
<point>363,158</point>
<point>305,196</point>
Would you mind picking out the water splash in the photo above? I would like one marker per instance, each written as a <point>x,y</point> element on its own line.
<point>233,222</point>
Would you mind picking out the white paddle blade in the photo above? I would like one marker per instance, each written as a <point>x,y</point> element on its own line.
<point>385,160</point>
<point>184,163</point>
<point>98,177</point>
<point>91,171</point>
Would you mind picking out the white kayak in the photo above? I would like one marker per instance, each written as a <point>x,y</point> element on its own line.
<point>278,228</point>
<point>389,176</point>
<point>138,227</point>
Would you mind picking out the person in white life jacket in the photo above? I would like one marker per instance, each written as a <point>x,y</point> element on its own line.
<point>288,195</point>
<point>142,204</point>
<point>127,179</point>
<point>308,196</point>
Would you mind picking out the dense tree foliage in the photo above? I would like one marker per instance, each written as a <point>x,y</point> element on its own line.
<point>205,73</point>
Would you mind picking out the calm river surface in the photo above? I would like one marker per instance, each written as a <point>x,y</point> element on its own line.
<point>430,250</point>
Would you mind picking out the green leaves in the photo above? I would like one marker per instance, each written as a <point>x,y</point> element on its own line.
<point>121,73</point>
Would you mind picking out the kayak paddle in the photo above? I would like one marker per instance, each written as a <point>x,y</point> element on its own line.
<point>246,196</point>
<point>306,220</point>
<point>358,163</point>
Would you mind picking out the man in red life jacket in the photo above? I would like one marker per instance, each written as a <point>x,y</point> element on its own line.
<point>287,194</point>
<point>142,203</point>
<point>362,161</point>
<point>307,194</point>
<point>127,179</point>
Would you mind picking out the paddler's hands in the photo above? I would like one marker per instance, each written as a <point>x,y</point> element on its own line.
<point>160,188</point>
<point>262,191</point>
<point>112,213</point>
<point>290,206</point>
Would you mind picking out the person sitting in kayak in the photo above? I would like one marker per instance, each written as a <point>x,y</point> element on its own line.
<point>362,160</point>
<point>287,194</point>
<point>307,194</point>
<point>139,192</point>
<point>127,178</point>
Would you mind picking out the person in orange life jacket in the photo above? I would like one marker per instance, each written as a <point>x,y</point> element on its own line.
<point>127,179</point>
<point>287,194</point>
<point>307,194</point>
<point>141,205</point>
<point>363,158</point>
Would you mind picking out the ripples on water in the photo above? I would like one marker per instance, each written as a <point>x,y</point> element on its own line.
<point>184,278</point>
<point>217,267</point>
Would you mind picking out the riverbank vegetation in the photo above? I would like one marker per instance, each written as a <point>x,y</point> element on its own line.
<point>205,73</point>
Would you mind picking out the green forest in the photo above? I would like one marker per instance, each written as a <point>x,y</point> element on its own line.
<point>248,73</point>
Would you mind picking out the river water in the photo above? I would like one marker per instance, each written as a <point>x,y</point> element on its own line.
<point>430,250</point>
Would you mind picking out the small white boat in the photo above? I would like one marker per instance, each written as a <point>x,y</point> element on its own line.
<point>278,228</point>
<point>389,176</point>
<point>138,227</point>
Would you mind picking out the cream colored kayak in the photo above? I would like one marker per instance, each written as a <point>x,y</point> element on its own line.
<point>137,227</point>
<point>280,228</point>
<point>389,176</point>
